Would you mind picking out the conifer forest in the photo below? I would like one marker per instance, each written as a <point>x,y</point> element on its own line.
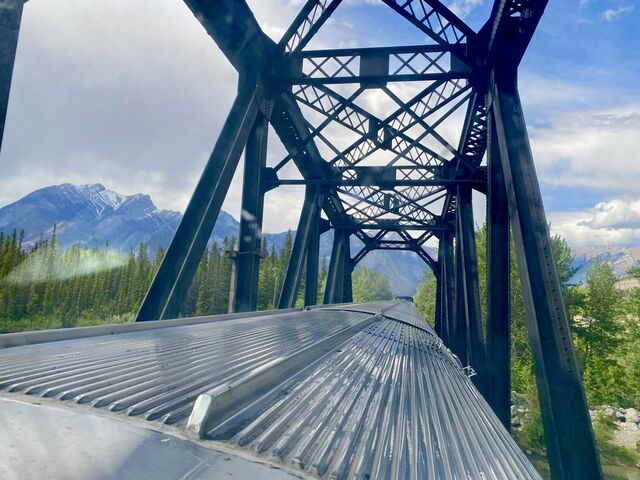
<point>46,286</point>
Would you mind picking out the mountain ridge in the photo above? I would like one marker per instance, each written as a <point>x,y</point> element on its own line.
<point>92,215</point>
<point>621,259</point>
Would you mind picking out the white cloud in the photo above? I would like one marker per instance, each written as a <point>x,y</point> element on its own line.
<point>546,96</point>
<point>127,96</point>
<point>462,8</point>
<point>613,14</point>
<point>134,98</point>
<point>595,149</point>
<point>615,222</point>
<point>616,214</point>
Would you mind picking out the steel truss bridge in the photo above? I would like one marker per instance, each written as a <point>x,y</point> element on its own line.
<point>397,182</point>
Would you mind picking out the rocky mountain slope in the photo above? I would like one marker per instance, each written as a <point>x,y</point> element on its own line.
<point>621,259</point>
<point>92,215</point>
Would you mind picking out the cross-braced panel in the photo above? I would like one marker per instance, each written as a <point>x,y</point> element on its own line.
<point>394,123</point>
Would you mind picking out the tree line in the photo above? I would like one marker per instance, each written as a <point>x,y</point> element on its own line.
<point>605,323</point>
<point>47,286</point>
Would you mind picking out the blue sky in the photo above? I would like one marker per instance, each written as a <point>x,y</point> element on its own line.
<point>133,97</point>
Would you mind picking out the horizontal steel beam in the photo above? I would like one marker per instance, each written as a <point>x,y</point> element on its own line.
<point>377,80</point>
<point>363,183</point>
<point>398,228</point>
<point>358,51</point>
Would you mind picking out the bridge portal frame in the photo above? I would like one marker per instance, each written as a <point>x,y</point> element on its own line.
<point>494,124</point>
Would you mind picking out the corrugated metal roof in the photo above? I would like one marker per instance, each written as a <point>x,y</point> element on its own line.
<point>158,374</point>
<point>390,401</point>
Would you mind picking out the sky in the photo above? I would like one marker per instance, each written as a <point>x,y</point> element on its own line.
<point>134,97</point>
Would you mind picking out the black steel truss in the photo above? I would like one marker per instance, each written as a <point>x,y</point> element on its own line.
<point>378,66</point>
<point>395,181</point>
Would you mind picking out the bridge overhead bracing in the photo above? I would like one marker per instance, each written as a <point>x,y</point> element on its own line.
<point>395,180</point>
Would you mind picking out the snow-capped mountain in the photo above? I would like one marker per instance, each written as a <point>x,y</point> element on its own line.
<point>92,215</point>
<point>621,259</point>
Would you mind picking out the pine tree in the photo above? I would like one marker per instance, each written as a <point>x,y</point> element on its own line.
<point>322,278</point>
<point>369,285</point>
<point>204,287</point>
<point>597,333</point>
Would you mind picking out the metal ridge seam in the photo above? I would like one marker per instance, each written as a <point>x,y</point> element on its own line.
<point>220,403</point>
<point>9,340</point>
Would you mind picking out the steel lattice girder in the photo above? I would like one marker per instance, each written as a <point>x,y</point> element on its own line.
<point>301,94</point>
<point>414,189</point>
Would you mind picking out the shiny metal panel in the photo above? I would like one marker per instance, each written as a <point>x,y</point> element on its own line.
<point>389,401</point>
<point>42,440</point>
<point>392,402</point>
<point>158,374</point>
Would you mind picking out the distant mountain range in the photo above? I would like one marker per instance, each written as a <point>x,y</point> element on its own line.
<point>621,259</point>
<point>92,215</point>
<point>89,215</point>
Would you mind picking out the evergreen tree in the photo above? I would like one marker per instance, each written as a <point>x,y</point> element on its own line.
<point>322,278</point>
<point>369,285</point>
<point>597,332</point>
<point>425,296</point>
<point>204,291</point>
<point>46,286</point>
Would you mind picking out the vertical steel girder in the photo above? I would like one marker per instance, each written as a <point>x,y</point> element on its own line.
<point>339,274</point>
<point>570,442</point>
<point>173,279</point>
<point>470,301</point>
<point>313,257</point>
<point>459,330</point>
<point>498,286</point>
<point>250,241</point>
<point>445,286</point>
<point>308,217</point>
<point>233,280</point>
<point>333,274</point>
<point>10,18</point>
<point>347,270</point>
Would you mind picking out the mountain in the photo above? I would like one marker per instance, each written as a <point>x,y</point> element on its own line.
<point>621,260</point>
<point>405,269</point>
<point>92,215</point>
